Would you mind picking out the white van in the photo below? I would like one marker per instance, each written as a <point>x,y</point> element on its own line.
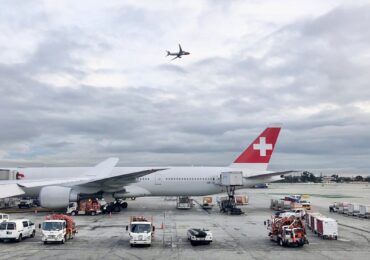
<point>4,217</point>
<point>17,229</point>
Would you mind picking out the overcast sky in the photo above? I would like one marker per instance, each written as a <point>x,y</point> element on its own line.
<point>81,81</point>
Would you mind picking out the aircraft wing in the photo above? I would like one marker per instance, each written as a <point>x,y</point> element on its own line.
<point>176,57</point>
<point>270,174</point>
<point>10,190</point>
<point>116,182</point>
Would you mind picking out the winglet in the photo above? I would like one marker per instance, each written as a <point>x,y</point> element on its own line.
<point>103,169</point>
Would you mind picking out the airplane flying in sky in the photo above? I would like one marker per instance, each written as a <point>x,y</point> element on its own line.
<point>177,54</point>
<point>57,186</point>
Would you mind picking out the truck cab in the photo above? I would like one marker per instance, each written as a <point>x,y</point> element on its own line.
<point>183,203</point>
<point>53,231</point>
<point>141,231</point>
<point>292,236</point>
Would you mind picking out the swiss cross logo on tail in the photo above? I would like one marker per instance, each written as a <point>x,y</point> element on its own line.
<point>262,146</point>
<point>261,149</point>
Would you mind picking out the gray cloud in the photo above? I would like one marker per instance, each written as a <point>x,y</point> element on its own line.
<point>311,75</point>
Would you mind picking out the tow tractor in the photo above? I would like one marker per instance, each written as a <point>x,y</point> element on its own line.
<point>198,236</point>
<point>287,231</point>
<point>141,231</point>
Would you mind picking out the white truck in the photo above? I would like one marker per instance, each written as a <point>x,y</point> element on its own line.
<point>57,228</point>
<point>141,231</point>
<point>183,203</point>
<point>4,217</point>
<point>17,229</point>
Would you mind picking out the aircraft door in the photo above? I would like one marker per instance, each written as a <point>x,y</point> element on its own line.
<point>158,179</point>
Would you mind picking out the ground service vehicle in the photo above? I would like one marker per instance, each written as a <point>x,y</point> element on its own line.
<point>334,207</point>
<point>198,236</point>
<point>327,228</point>
<point>207,203</point>
<point>57,228</point>
<point>84,207</point>
<point>26,203</point>
<point>4,217</point>
<point>287,231</point>
<point>17,229</point>
<point>183,203</point>
<point>141,231</point>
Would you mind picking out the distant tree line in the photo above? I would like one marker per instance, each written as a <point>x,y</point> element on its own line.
<point>310,177</point>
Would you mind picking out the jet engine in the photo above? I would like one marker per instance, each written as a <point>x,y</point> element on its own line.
<point>57,196</point>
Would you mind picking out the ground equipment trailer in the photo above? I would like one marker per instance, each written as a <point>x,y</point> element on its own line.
<point>141,231</point>
<point>287,231</point>
<point>207,203</point>
<point>327,228</point>
<point>57,228</point>
<point>364,211</point>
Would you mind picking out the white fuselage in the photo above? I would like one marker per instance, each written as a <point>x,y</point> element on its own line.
<point>174,181</point>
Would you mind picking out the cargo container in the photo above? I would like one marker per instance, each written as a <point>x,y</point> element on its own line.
<point>364,211</point>
<point>241,199</point>
<point>327,228</point>
<point>353,209</point>
<point>311,220</point>
<point>343,207</point>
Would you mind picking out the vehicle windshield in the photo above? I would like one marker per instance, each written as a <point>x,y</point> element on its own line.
<point>183,200</point>
<point>50,226</point>
<point>140,228</point>
<point>2,226</point>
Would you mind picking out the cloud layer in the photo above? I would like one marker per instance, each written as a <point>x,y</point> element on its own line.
<point>83,81</point>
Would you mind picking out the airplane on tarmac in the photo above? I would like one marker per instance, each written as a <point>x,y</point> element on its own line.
<point>178,54</point>
<point>58,186</point>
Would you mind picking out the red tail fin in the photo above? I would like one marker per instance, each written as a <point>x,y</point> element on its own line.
<point>260,150</point>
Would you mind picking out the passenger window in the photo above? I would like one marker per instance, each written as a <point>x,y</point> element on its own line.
<point>25,224</point>
<point>11,226</point>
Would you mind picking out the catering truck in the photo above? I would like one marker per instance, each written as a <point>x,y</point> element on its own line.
<point>57,228</point>
<point>141,231</point>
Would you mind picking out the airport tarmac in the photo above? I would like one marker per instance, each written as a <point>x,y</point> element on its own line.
<point>235,237</point>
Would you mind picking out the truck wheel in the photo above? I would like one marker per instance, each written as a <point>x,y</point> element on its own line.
<point>281,243</point>
<point>73,213</point>
<point>33,233</point>
<point>93,213</point>
<point>45,242</point>
<point>19,239</point>
<point>63,240</point>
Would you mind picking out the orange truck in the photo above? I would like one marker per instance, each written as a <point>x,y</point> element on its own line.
<point>57,228</point>
<point>287,231</point>
<point>84,207</point>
